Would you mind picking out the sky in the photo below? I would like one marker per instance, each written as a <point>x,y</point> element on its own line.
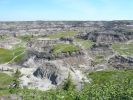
<point>84,10</point>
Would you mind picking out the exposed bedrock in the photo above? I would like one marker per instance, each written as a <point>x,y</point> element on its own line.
<point>58,71</point>
<point>120,62</point>
<point>101,48</point>
<point>49,56</point>
<point>107,36</point>
<point>49,71</point>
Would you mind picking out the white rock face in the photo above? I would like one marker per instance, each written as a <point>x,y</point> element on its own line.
<point>32,82</point>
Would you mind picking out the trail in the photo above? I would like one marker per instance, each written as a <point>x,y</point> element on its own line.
<point>15,57</point>
<point>5,65</point>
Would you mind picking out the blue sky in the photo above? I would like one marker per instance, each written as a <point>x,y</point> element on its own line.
<point>11,10</point>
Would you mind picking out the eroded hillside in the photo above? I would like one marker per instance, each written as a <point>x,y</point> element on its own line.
<point>46,53</point>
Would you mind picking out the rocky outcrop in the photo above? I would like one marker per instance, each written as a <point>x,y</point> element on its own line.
<point>48,55</point>
<point>50,27</point>
<point>100,49</point>
<point>49,71</point>
<point>120,62</point>
<point>107,36</point>
<point>57,73</point>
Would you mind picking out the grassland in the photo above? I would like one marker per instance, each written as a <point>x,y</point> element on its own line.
<point>123,49</point>
<point>5,81</point>
<point>7,55</point>
<point>104,85</point>
<point>85,43</point>
<point>62,34</point>
<point>102,77</point>
<point>63,48</point>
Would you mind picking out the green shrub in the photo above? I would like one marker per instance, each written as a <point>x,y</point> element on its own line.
<point>68,84</point>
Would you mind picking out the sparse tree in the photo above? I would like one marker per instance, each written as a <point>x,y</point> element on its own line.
<point>68,84</point>
<point>16,82</point>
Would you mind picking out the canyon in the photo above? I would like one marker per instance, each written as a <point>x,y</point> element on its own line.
<point>47,52</point>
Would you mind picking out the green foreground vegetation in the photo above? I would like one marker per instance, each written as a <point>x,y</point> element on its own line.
<point>5,81</point>
<point>123,49</point>
<point>62,34</point>
<point>104,85</point>
<point>64,48</point>
<point>7,55</point>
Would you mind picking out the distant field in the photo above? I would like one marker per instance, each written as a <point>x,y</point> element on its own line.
<point>63,48</point>
<point>123,49</point>
<point>62,34</point>
<point>7,55</point>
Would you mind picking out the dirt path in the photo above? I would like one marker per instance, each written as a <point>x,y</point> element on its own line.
<point>15,57</point>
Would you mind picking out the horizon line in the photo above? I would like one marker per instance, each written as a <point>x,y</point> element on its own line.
<point>63,20</point>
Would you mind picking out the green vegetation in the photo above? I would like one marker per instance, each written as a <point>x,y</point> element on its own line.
<point>123,49</point>
<point>85,43</point>
<point>16,82</point>
<point>3,37</point>
<point>63,34</point>
<point>105,85</point>
<point>7,55</point>
<point>68,84</point>
<point>5,80</point>
<point>26,37</point>
<point>97,60</point>
<point>101,77</point>
<point>111,85</point>
<point>63,48</point>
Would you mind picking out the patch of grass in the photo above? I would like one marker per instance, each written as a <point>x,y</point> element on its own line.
<point>62,34</point>
<point>85,43</point>
<point>7,55</point>
<point>64,48</point>
<point>123,49</point>
<point>98,59</point>
<point>5,80</point>
<point>101,77</point>
<point>4,92</point>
